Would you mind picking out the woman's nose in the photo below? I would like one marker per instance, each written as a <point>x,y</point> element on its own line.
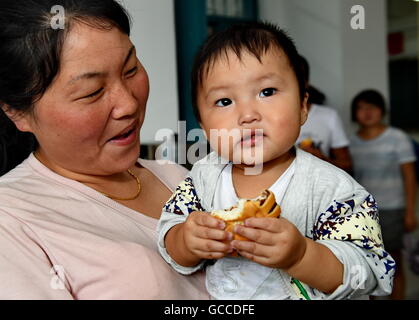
<point>125,103</point>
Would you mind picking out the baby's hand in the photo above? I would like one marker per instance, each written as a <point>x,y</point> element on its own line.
<point>204,236</point>
<point>275,243</point>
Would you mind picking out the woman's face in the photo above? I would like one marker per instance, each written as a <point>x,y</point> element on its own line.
<point>89,119</point>
<point>368,115</point>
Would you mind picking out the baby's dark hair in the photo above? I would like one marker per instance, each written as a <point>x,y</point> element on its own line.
<point>370,96</point>
<point>253,37</point>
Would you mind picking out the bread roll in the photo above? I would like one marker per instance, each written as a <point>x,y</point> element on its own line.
<point>264,206</point>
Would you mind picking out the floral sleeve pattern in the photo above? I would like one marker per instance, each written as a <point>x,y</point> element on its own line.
<point>357,223</point>
<point>184,200</point>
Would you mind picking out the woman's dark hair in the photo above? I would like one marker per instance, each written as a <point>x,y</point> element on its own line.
<point>369,96</point>
<point>315,96</point>
<point>254,37</point>
<point>30,51</point>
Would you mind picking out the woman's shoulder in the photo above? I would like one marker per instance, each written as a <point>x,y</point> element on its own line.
<point>17,176</point>
<point>170,173</point>
<point>396,133</point>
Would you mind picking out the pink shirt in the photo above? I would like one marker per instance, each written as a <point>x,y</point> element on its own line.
<point>60,239</point>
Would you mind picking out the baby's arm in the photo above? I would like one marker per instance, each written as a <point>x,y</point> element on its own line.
<point>350,229</point>
<point>187,235</point>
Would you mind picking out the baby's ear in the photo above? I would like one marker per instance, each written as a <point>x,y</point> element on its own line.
<point>19,118</point>
<point>304,109</point>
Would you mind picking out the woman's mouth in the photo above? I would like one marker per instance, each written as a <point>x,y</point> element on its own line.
<point>127,137</point>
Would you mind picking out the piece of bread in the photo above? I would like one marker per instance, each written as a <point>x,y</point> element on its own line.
<point>264,206</point>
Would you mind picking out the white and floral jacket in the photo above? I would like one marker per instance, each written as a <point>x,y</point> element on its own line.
<point>324,203</point>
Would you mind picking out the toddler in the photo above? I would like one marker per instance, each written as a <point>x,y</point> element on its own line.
<point>327,242</point>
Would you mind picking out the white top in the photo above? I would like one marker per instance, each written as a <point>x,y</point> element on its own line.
<point>238,278</point>
<point>325,128</point>
<point>225,196</point>
<point>377,166</point>
<point>60,239</point>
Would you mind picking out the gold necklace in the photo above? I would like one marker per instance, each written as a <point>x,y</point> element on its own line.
<point>131,198</point>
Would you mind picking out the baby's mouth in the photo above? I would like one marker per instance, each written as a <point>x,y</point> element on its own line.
<point>253,139</point>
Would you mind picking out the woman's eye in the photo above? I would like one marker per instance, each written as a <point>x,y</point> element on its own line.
<point>223,102</point>
<point>267,92</point>
<point>132,71</point>
<point>93,94</point>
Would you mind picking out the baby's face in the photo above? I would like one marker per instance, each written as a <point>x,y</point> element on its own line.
<point>251,111</point>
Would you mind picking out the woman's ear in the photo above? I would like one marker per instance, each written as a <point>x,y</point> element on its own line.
<point>304,109</point>
<point>19,118</point>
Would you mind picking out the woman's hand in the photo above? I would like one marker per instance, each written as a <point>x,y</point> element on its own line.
<point>275,243</point>
<point>203,236</point>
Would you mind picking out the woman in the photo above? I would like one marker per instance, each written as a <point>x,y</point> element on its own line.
<point>384,163</point>
<point>78,217</point>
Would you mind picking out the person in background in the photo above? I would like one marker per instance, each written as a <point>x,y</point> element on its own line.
<point>323,134</point>
<point>384,162</point>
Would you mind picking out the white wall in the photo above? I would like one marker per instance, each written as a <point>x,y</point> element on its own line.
<point>343,61</point>
<point>153,34</point>
<point>365,53</point>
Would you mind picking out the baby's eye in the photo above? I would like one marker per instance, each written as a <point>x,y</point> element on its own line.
<point>225,102</point>
<point>267,92</point>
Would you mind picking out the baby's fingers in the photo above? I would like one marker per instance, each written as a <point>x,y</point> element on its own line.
<point>212,234</point>
<point>258,259</point>
<point>273,225</point>
<point>210,255</point>
<point>256,235</point>
<point>210,247</point>
<point>206,220</point>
